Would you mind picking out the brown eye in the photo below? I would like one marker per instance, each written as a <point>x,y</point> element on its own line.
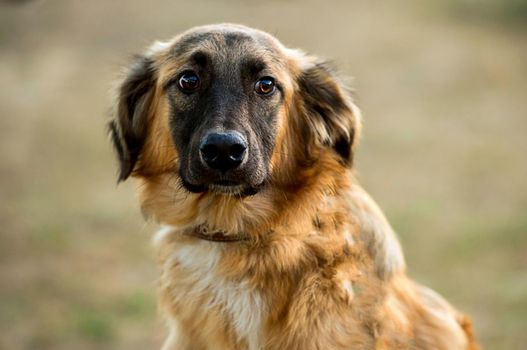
<point>264,86</point>
<point>188,82</point>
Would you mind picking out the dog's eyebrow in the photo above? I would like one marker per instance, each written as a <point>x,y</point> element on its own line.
<point>254,65</point>
<point>200,58</point>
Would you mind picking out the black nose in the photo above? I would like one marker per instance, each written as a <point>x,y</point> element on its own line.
<point>223,150</point>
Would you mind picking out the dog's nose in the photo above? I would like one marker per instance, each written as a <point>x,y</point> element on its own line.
<point>223,150</point>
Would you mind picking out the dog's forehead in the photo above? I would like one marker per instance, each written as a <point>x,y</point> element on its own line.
<point>228,43</point>
<point>217,37</point>
<point>230,49</point>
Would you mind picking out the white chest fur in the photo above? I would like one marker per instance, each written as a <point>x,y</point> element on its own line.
<point>198,261</point>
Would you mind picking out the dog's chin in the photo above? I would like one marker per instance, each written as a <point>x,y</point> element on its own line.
<point>228,189</point>
<point>223,188</point>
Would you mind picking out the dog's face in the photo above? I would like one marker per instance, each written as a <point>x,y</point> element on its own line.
<point>225,101</point>
<point>222,107</point>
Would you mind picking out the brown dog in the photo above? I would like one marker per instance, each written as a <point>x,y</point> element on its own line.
<point>243,151</point>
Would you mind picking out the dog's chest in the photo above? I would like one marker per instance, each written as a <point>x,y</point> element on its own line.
<point>220,310</point>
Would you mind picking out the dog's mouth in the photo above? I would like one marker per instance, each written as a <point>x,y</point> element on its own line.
<point>224,187</point>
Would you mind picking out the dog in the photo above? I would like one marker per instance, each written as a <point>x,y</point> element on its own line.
<point>242,150</point>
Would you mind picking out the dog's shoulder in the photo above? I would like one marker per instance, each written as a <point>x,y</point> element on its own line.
<point>376,233</point>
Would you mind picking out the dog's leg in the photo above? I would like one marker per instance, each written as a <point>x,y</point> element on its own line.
<point>434,323</point>
<point>441,319</point>
<point>177,340</point>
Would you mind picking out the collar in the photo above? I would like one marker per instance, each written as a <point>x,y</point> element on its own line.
<point>202,232</point>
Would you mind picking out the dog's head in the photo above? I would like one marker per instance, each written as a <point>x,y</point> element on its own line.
<point>223,108</point>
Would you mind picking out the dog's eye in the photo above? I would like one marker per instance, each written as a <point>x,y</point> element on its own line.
<point>264,86</point>
<point>188,82</point>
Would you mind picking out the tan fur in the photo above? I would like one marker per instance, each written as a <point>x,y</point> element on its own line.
<point>323,268</point>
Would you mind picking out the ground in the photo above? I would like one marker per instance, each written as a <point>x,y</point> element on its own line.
<point>442,88</point>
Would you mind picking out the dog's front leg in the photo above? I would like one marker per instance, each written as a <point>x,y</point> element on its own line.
<point>178,340</point>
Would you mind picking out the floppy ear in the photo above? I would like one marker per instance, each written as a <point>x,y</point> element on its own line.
<point>129,126</point>
<point>333,119</point>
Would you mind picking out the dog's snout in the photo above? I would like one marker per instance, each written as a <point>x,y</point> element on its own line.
<point>223,150</point>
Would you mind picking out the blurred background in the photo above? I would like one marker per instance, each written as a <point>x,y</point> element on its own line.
<point>443,89</point>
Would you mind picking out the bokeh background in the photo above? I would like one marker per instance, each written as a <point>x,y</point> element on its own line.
<point>443,89</point>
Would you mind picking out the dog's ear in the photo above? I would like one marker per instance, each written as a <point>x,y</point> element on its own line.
<point>332,117</point>
<point>129,126</point>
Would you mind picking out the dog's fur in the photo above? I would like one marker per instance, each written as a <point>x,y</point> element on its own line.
<point>318,267</point>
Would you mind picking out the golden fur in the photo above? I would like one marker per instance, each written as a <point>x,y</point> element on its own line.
<point>322,268</point>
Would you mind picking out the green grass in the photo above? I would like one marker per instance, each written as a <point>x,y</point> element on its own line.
<point>95,325</point>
